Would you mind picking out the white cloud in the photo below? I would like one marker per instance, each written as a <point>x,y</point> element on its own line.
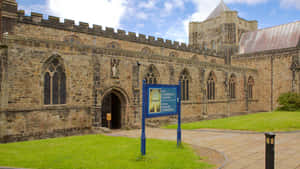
<point>147,5</point>
<point>102,12</point>
<point>178,3</point>
<point>178,32</point>
<point>205,7</point>
<point>39,8</point>
<point>290,3</point>
<point>142,15</point>
<point>168,7</point>
<point>250,2</point>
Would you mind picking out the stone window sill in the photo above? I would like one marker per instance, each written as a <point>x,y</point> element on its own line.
<point>252,100</point>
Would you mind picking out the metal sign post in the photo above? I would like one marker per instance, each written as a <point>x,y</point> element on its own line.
<point>160,100</point>
<point>179,115</point>
<point>143,137</point>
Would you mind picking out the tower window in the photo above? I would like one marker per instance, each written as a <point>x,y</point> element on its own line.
<point>230,34</point>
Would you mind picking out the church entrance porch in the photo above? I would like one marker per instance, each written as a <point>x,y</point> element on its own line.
<point>113,103</point>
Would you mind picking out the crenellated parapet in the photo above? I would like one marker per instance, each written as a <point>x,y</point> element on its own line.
<point>97,30</point>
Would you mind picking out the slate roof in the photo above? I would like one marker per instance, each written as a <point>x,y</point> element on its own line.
<point>277,37</point>
<point>218,10</point>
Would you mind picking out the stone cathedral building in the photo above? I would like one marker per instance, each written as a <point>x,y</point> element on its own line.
<point>58,78</point>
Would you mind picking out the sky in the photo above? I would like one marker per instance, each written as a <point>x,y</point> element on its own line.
<point>167,19</point>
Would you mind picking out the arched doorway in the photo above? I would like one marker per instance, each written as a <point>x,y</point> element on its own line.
<point>112,103</point>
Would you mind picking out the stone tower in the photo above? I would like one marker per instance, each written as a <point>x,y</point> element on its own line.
<point>221,31</point>
<point>8,15</point>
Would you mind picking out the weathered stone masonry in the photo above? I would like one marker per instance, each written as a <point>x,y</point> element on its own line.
<point>100,63</point>
<point>278,73</point>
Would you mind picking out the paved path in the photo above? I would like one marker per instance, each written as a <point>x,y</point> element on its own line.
<point>243,150</point>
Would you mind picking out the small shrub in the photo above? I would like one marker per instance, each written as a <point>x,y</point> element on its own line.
<point>289,101</point>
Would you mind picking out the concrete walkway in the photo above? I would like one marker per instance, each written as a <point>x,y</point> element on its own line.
<point>243,150</point>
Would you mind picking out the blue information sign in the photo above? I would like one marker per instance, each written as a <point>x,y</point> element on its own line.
<point>160,100</point>
<point>168,100</point>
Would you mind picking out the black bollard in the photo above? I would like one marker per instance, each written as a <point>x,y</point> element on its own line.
<point>270,150</point>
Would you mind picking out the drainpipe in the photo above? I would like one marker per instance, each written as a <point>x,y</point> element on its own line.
<point>272,82</point>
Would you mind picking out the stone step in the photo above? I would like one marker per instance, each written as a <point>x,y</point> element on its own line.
<point>101,130</point>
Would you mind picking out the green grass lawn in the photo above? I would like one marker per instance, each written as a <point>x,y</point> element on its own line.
<point>262,122</point>
<point>98,151</point>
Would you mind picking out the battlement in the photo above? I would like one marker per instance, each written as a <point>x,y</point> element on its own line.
<point>97,30</point>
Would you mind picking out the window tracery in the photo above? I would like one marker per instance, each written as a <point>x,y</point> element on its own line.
<point>54,82</point>
<point>152,75</point>
<point>232,87</point>
<point>211,83</point>
<point>185,80</point>
<point>250,87</point>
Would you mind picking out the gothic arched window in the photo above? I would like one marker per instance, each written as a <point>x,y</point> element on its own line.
<point>152,75</point>
<point>185,80</point>
<point>211,84</point>
<point>54,82</point>
<point>250,87</point>
<point>232,87</point>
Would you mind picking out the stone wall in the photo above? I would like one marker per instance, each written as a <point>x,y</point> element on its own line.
<point>89,78</point>
<point>35,26</point>
<point>96,63</point>
<point>274,75</point>
<point>44,122</point>
<point>25,72</point>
